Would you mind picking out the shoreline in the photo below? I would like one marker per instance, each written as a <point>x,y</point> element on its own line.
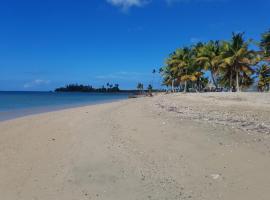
<point>24,112</point>
<point>135,149</point>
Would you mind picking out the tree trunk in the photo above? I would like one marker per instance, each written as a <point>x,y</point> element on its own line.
<point>173,85</point>
<point>231,82</point>
<point>185,88</point>
<point>153,82</point>
<point>214,80</point>
<point>198,88</point>
<point>237,81</point>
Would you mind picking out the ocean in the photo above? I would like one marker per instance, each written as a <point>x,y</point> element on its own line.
<point>17,104</point>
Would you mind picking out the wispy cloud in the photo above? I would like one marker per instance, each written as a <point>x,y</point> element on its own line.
<point>125,5</point>
<point>35,83</point>
<point>171,2</point>
<point>195,40</point>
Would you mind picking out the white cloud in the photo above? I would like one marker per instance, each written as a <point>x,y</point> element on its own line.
<point>36,82</point>
<point>125,5</point>
<point>195,40</point>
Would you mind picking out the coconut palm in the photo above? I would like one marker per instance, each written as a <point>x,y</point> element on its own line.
<point>263,73</point>
<point>182,68</point>
<point>183,61</point>
<point>167,76</point>
<point>238,61</point>
<point>160,79</point>
<point>140,87</point>
<point>230,63</point>
<point>209,57</point>
<point>154,73</point>
<point>193,70</point>
<point>150,88</point>
<point>265,43</point>
<point>177,65</point>
<point>171,71</point>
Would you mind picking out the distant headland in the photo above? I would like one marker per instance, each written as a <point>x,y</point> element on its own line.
<point>109,88</point>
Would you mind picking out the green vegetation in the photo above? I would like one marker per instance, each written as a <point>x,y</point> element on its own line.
<point>150,88</point>
<point>87,88</point>
<point>264,77</point>
<point>265,43</point>
<point>140,88</point>
<point>219,65</point>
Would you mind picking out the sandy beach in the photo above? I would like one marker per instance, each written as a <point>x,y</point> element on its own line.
<point>176,146</point>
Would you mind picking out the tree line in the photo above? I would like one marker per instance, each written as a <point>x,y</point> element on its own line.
<point>226,65</point>
<point>88,88</point>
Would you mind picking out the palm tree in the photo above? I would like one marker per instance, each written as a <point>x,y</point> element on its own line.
<point>160,72</point>
<point>140,87</point>
<point>238,61</point>
<point>265,43</point>
<point>182,68</point>
<point>182,62</point>
<point>154,73</point>
<point>170,71</point>
<point>168,77</point>
<point>231,64</point>
<point>193,70</point>
<point>150,88</point>
<point>264,77</point>
<point>209,57</point>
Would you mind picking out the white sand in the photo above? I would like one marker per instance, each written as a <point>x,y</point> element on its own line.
<point>147,148</point>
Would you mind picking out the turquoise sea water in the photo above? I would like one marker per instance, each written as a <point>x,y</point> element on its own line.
<point>16,104</point>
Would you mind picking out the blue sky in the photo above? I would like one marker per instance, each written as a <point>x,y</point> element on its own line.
<point>49,43</point>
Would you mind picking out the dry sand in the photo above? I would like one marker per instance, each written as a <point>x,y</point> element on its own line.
<point>181,146</point>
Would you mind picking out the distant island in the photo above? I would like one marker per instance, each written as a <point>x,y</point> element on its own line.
<point>110,88</point>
